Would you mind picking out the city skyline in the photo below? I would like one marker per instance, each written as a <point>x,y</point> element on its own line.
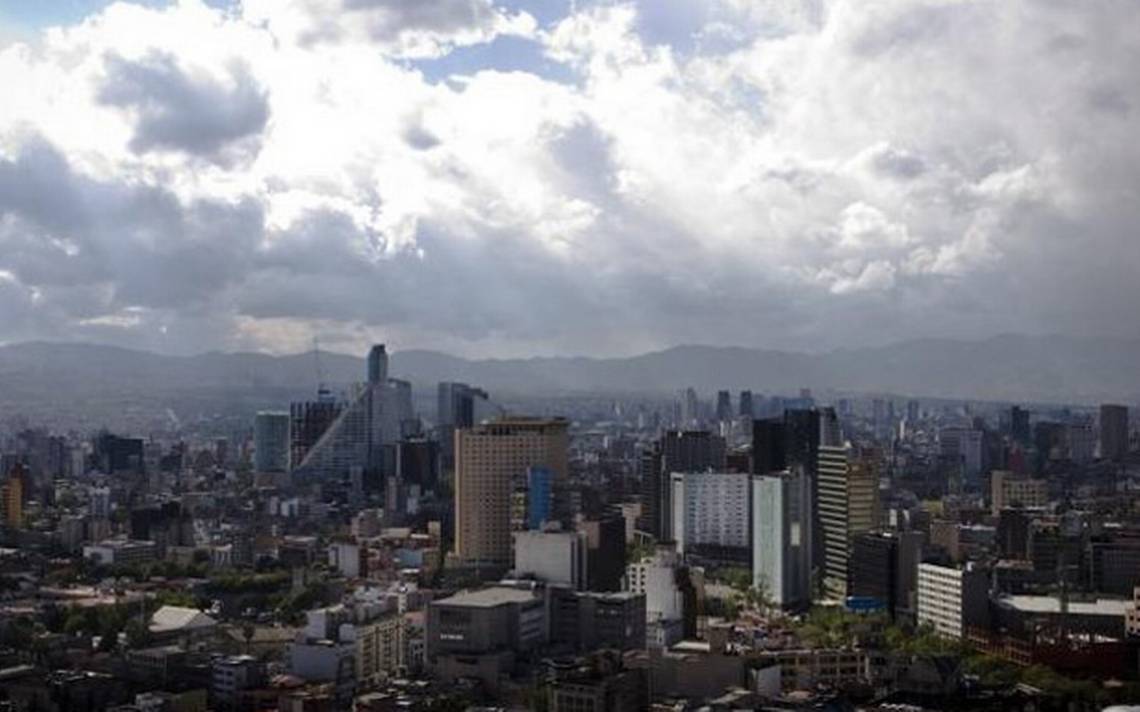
<point>511,178</point>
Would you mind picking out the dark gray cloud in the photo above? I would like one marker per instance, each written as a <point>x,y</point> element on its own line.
<point>180,111</point>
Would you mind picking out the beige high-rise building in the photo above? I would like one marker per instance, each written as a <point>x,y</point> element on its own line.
<point>489,459</point>
<point>848,495</point>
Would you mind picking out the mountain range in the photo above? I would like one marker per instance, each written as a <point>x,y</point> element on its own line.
<point>1050,369</point>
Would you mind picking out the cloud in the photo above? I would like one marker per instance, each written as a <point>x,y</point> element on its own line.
<point>420,29</point>
<point>804,175</point>
<point>178,110</point>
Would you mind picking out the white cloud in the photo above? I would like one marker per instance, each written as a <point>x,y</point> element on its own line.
<point>249,177</point>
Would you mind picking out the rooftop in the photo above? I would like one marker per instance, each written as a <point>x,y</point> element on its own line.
<point>1051,604</point>
<point>488,597</point>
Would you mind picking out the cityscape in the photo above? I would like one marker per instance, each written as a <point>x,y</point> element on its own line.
<point>727,550</point>
<point>569,356</point>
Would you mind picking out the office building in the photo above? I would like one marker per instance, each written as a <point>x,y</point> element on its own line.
<point>588,620</point>
<point>951,600</point>
<point>552,557</point>
<point>782,527</point>
<point>308,421</point>
<point>1008,489</point>
<point>271,441</point>
<point>884,567</point>
<point>489,457</point>
<point>1019,430</point>
<point>723,406</point>
<point>847,496</point>
<point>676,451</point>
<point>477,634</point>
<point>963,447</point>
<point>1114,432</point>
<point>746,408</point>
<point>605,550</point>
<point>1080,439</point>
<point>652,495</point>
<point>377,414</point>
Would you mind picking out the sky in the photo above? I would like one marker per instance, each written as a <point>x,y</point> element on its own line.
<point>596,177</point>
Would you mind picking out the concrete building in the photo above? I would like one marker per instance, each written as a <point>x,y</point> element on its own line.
<point>951,599</point>
<point>782,527</point>
<point>710,513</point>
<point>605,549</point>
<point>271,441</point>
<point>1008,489</point>
<point>478,633</point>
<point>848,499</point>
<point>350,645</point>
<point>1080,439</point>
<point>671,594</point>
<point>552,557</point>
<point>349,559</point>
<point>884,567</point>
<point>585,620</point>
<point>232,676</point>
<point>489,457</point>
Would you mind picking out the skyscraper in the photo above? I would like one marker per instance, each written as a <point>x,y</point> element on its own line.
<point>455,408</point>
<point>1113,432</point>
<point>308,421</point>
<point>378,365</point>
<point>488,458</point>
<point>769,446</point>
<point>685,451</point>
<point>723,405</point>
<point>847,496</point>
<point>374,417</point>
<point>690,409</point>
<point>782,530</point>
<point>1019,430</point>
<point>745,405</point>
<point>271,441</point>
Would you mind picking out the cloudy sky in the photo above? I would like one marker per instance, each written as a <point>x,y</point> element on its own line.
<point>551,176</point>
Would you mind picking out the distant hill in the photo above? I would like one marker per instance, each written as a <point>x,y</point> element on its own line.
<point>38,377</point>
